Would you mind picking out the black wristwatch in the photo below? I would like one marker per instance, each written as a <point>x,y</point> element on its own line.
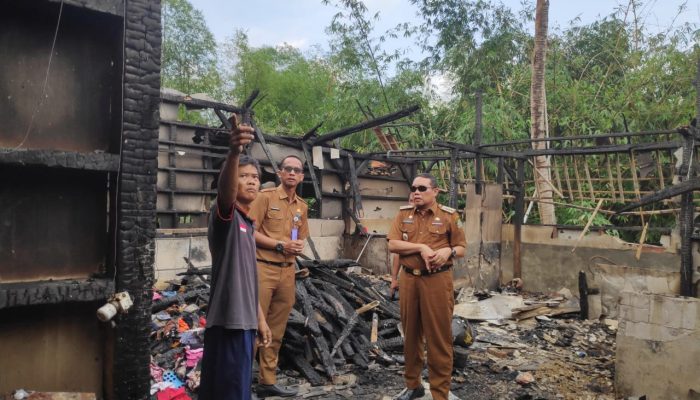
<point>279,247</point>
<point>453,253</point>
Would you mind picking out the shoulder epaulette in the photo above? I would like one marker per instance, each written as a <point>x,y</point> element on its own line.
<point>406,207</point>
<point>446,209</point>
<point>302,200</point>
<point>266,190</point>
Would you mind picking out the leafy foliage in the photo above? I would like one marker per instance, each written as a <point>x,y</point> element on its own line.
<point>189,52</point>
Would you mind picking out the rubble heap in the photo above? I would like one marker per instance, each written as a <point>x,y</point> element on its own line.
<point>344,339</point>
<point>343,319</point>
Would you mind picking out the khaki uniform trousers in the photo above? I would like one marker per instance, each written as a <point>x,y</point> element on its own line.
<point>427,303</point>
<point>276,292</point>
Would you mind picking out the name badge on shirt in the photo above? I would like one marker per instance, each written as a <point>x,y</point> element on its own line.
<point>243,228</point>
<point>274,208</point>
<point>407,221</point>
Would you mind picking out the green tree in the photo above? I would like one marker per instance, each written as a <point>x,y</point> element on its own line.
<point>189,52</point>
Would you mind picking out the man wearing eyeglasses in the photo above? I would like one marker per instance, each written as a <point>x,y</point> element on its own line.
<point>282,226</point>
<point>427,239</point>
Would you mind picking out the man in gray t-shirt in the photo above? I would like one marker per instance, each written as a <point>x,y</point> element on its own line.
<point>234,316</point>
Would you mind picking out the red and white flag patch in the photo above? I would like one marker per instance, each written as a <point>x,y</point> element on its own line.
<point>243,228</point>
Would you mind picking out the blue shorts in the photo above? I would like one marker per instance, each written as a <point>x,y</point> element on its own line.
<point>227,364</point>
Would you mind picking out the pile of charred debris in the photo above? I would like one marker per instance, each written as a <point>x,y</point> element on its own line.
<point>344,340</point>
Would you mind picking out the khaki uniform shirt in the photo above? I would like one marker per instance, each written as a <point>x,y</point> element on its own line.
<point>435,226</point>
<point>275,217</point>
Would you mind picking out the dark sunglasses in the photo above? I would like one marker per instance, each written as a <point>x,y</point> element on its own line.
<point>289,169</point>
<point>420,188</point>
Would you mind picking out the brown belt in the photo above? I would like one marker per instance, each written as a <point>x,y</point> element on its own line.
<point>420,272</point>
<point>276,264</point>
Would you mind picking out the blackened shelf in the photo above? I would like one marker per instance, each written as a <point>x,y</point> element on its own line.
<point>54,292</point>
<point>106,162</point>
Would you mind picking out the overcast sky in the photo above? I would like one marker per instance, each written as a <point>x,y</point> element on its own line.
<point>301,23</point>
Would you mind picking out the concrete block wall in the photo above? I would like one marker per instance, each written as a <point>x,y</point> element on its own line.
<point>172,249</point>
<point>658,346</point>
<point>548,264</point>
<point>327,235</point>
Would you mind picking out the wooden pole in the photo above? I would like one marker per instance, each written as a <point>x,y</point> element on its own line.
<point>660,170</point>
<point>566,177</point>
<point>588,178</point>
<point>633,169</point>
<point>642,238</point>
<point>554,188</point>
<point>519,212</point>
<point>578,179</point>
<point>610,178</point>
<point>588,224</point>
<point>619,178</point>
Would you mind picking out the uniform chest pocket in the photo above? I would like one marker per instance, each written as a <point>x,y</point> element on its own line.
<point>274,220</point>
<point>408,228</point>
<point>437,228</point>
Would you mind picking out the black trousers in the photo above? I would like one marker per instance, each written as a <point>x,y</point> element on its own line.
<point>227,364</point>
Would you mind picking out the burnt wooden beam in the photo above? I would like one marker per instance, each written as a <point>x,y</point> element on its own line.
<point>104,162</point>
<point>671,191</point>
<point>583,295</point>
<point>189,102</point>
<point>453,179</point>
<point>312,171</point>
<point>607,149</point>
<point>580,137</point>
<point>54,292</point>
<point>355,188</point>
<point>365,125</point>
<point>478,150</point>
<point>312,132</point>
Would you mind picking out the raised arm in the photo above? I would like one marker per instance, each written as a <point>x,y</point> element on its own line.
<point>228,178</point>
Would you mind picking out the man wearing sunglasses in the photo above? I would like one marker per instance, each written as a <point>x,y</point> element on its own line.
<point>427,239</point>
<point>282,226</point>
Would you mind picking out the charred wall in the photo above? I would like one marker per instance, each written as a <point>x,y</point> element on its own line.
<point>78,151</point>
<point>137,198</point>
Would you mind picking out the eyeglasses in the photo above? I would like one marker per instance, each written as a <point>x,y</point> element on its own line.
<point>420,188</point>
<point>289,169</point>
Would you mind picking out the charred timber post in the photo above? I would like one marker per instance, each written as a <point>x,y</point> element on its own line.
<point>312,172</point>
<point>136,226</point>
<point>499,176</point>
<point>583,294</point>
<point>477,141</point>
<point>453,178</point>
<point>355,187</point>
<point>365,125</point>
<point>312,132</point>
<point>519,213</point>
